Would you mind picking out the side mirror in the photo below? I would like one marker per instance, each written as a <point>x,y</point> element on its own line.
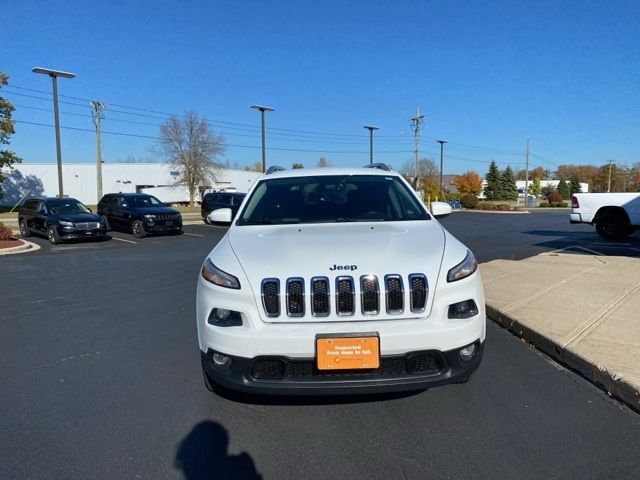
<point>222,215</point>
<point>440,209</point>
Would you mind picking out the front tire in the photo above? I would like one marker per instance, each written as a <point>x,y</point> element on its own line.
<point>106,223</point>
<point>613,226</point>
<point>24,229</point>
<point>53,236</point>
<point>137,228</point>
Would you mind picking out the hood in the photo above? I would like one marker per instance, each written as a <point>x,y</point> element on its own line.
<point>78,217</point>
<point>332,250</point>
<point>155,210</point>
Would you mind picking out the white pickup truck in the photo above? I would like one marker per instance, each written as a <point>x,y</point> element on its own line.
<point>615,215</point>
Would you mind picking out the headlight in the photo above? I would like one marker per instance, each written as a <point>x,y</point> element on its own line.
<point>150,217</point>
<point>216,276</point>
<point>66,224</point>
<point>463,269</point>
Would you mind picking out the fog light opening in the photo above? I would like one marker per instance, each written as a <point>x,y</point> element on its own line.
<point>464,309</point>
<point>468,352</point>
<point>221,360</point>
<point>221,317</point>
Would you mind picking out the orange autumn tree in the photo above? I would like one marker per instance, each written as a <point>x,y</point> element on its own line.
<point>468,183</point>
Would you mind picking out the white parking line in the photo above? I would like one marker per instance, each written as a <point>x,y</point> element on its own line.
<point>123,240</point>
<point>193,234</point>
<point>210,226</point>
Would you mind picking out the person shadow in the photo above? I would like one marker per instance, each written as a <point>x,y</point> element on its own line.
<point>203,455</point>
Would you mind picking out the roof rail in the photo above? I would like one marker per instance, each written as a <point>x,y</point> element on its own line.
<point>381,166</point>
<point>275,168</point>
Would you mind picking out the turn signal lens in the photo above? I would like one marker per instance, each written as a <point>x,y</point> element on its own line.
<point>218,277</point>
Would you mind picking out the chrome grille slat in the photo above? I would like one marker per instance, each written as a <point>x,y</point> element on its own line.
<point>270,292</point>
<point>419,291</point>
<point>369,294</point>
<point>394,294</point>
<point>345,296</point>
<point>295,297</point>
<point>320,297</point>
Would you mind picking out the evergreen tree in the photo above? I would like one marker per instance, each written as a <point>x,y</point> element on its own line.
<point>574,185</point>
<point>507,182</point>
<point>492,189</point>
<point>564,189</point>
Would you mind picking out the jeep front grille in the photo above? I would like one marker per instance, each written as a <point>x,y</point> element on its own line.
<point>419,292</point>
<point>345,296</point>
<point>369,294</point>
<point>271,296</point>
<point>394,294</point>
<point>320,303</point>
<point>295,297</point>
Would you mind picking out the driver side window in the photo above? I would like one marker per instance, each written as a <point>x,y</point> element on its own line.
<point>121,202</point>
<point>41,208</point>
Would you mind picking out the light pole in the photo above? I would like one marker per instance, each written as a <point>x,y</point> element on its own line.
<point>371,128</point>
<point>54,74</point>
<point>263,109</point>
<point>441,142</point>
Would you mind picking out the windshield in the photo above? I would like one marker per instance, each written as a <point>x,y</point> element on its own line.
<point>59,207</point>
<point>331,198</point>
<point>142,201</point>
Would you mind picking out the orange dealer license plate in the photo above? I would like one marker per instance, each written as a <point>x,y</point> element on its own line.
<point>347,353</point>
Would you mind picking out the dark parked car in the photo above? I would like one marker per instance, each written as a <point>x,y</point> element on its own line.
<point>140,213</point>
<point>59,219</point>
<point>214,201</point>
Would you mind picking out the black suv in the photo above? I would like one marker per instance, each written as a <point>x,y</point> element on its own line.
<point>59,218</point>
<point>140,213</point>
<point>214,201</point>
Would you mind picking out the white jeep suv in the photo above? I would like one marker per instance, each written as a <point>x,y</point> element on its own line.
<point>337,280</point>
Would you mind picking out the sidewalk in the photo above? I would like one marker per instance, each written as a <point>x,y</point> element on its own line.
<point>581,309</point>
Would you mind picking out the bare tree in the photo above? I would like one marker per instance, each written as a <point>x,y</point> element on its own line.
<point>192,149</point>
<point>324,162</point>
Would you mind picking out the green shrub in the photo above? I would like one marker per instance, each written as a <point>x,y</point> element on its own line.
<point>503,207</point>
<point>469,201</point>
<point>544,204</point>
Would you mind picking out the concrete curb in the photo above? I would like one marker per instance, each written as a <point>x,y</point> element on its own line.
<point>26,247</point>
<point>613,385</point>
<point>521,212</point>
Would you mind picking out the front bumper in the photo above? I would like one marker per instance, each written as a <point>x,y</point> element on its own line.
<point>278,375</point>
<point>162,227</point>
<point>80,234</point>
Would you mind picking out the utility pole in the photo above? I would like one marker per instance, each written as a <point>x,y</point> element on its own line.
<point>609,185</point>
<point>371,128</point>
<point>416,125</point>
<point>526,175</point>
<point>263,109</point>
<point>96,112</point>
<point>441,142</point>
<point>54,74</point>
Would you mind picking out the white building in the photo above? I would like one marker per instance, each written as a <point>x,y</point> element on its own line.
<point>548,183</point>
<point>79,181</point>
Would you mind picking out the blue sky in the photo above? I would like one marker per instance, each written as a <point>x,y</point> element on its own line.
<point>486,74</point>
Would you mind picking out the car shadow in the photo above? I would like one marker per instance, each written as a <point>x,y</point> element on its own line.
<point>308,400</point>
<point>203,455</point>
<point>588,242</point>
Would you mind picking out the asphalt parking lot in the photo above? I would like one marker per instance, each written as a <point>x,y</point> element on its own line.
<point>101,379</point>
